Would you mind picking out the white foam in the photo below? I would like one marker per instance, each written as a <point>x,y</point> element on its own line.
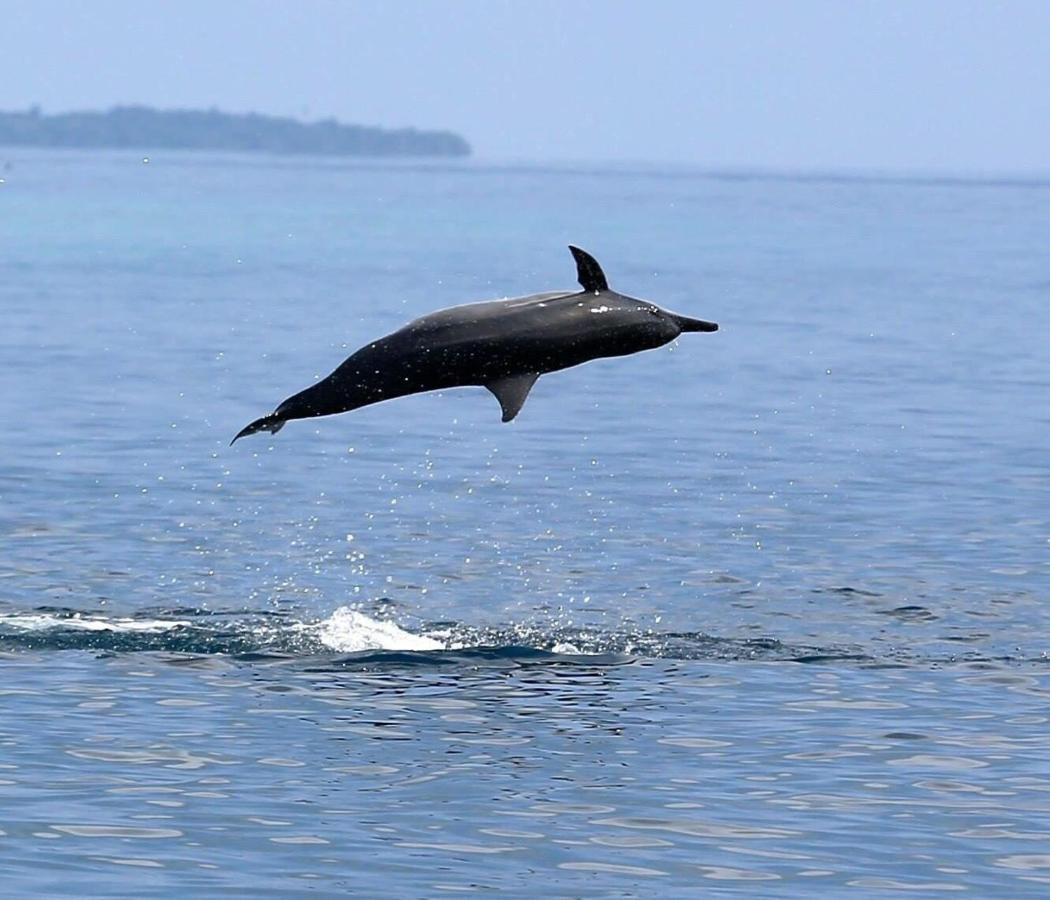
<point>45,621</point>
<point>349,631</point>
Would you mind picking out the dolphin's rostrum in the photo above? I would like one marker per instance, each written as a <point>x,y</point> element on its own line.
<point>503,345</point>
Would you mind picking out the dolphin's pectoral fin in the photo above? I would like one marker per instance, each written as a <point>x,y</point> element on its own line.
<point>511,392</point>
<point>588,272</point>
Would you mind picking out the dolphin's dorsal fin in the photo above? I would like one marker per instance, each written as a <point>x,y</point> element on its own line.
<point>589,273</point>
<point>511,392</point>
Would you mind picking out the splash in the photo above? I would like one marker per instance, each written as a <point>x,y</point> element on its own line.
<point>350,637</point>
<point>350,631</point>
<point>43,621</point>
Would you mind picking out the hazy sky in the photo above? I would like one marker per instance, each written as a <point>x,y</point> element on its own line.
<point>919,84</point>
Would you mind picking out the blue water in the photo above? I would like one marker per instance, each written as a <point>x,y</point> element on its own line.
<point>764,613</point>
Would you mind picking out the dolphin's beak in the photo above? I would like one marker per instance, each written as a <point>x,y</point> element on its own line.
<point>687,324</point>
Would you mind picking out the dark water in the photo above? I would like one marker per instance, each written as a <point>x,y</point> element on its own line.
<point>764,613</point>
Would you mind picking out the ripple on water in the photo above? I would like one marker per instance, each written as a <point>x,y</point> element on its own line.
<point>728,873</point>
<point>129,861</point>
<point>899,884</point>
<point>116,831</point>
<point>698,828</point>
<point>938,761</point>
<point>1027,861</point>
<point>611,868</point>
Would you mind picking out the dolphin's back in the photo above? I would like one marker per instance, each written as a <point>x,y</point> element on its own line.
<point>546,324</point>
<point>535,314</point>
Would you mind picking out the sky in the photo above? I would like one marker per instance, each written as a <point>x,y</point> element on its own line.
<point>958,86</point>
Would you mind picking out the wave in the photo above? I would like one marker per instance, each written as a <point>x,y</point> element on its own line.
<point>350,633</point>
<point>349,637</point>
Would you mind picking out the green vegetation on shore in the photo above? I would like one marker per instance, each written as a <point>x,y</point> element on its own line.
<point>145,128</point>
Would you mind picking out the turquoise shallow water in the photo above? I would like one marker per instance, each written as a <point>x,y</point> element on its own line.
<point>763,613</point>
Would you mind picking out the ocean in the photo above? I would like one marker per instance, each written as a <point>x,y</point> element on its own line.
<point>762,613</point>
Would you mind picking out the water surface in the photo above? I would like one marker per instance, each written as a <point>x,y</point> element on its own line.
<point>762,613</point>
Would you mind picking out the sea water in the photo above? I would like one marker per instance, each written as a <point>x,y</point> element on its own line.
<point>762,613</point>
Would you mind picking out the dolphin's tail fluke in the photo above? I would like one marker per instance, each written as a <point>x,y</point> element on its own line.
<point>272,424</point>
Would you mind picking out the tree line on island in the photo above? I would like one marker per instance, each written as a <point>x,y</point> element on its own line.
<point>142,127</point>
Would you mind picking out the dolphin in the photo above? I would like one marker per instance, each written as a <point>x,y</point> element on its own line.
<point>503,345</point>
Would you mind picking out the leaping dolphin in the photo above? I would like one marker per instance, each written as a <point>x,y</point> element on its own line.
<point>503,345</point>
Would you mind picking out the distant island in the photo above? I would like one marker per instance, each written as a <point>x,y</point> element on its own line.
<point>186,129</point>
